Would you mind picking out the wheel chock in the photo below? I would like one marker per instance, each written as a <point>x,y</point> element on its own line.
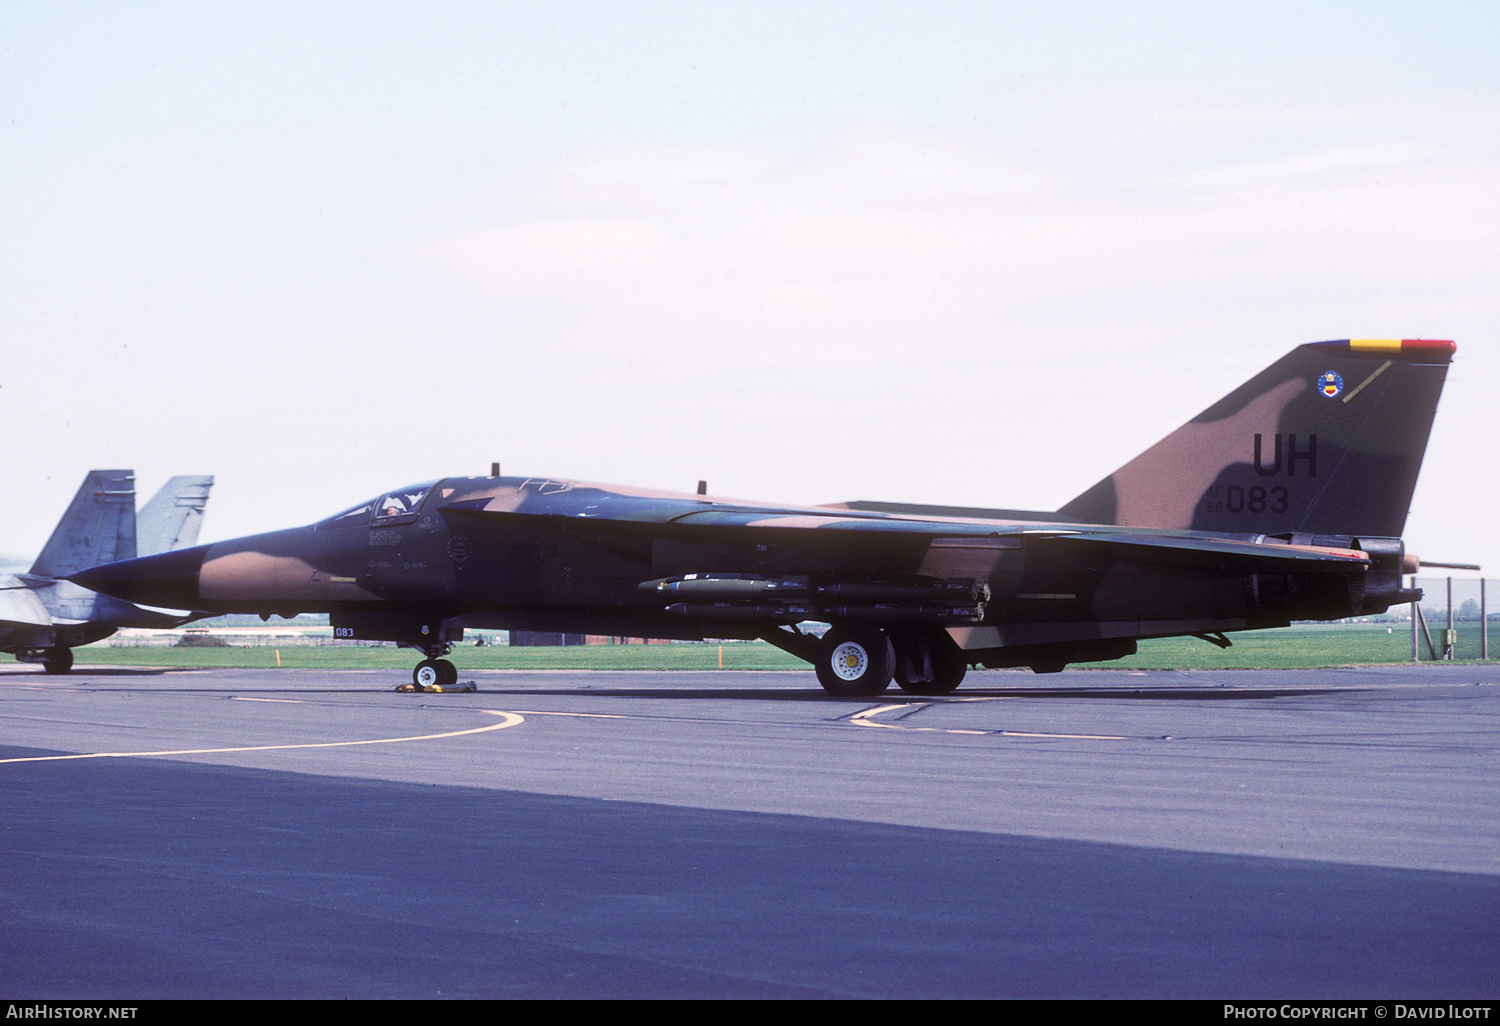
<point>463,686</point>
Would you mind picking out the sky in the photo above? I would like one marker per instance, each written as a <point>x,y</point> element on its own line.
<point>959,253</point>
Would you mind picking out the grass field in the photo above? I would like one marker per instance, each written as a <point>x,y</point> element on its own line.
<point>1302,646</point>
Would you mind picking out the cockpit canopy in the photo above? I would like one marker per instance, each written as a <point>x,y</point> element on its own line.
<point>396,507</point>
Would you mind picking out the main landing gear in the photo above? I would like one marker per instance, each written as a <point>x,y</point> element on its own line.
<point>859,660</point>
<point>54,659</point>
<point>58,659</point>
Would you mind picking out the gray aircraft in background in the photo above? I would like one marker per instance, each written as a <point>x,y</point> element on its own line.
<point>43,617</point>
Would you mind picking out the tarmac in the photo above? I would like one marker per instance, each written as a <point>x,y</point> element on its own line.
<point>1246,835</point>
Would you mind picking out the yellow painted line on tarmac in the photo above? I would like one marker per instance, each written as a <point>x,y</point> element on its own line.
<point>507,719</point>
<point>587,716</point>
<point>1074,737</point>
<point>863,720</point>
<point>288,701</point>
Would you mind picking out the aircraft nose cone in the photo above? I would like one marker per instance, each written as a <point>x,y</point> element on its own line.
<point>169,579</point>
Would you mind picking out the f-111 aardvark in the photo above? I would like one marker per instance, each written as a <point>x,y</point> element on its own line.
<point>1283,501</point>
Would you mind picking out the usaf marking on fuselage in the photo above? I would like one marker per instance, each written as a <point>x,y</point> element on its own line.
<point>1283,501</point>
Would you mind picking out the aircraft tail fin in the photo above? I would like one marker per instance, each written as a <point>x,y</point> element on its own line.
<point>173,516</point>
<point>1328,440</point>
<point>98,527</point>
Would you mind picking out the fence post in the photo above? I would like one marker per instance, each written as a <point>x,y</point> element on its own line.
<point>1415,652</point>
<point>1448,632</point>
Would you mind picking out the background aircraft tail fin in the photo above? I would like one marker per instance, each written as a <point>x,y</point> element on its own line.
<point>173,516</point>
<point>1327,440</point>
<point>98,527</point>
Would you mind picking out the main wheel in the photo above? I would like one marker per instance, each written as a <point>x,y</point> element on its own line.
<point>929,663</point>
<point>447,673</point>
<point>58,659</point>
<point>855,661</point>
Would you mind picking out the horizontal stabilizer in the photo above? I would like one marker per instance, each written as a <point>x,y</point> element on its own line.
<point>1240,556</point>
<point>20,606</point>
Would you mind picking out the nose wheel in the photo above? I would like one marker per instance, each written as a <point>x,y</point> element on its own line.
<point>434,673</point>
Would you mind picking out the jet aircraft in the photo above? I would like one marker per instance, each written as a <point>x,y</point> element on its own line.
<point>1283,501</point>
<point>43,616</point>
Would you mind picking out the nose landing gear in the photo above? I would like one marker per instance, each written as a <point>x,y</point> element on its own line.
<point>434,673</point>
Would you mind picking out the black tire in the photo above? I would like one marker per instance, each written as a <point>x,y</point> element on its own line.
<point>448,673</point>
<point>855,661</point>
<point>948,662</point>
<point>58,659</point>
<point>428,674</point>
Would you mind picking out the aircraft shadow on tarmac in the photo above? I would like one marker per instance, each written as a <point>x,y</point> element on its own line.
<point>1215,692</point>
<point>21,670</point>
<point>790,694</point>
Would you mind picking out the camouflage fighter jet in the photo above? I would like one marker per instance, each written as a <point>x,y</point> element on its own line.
<point>1283,501</point>
<point>44,617</point>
